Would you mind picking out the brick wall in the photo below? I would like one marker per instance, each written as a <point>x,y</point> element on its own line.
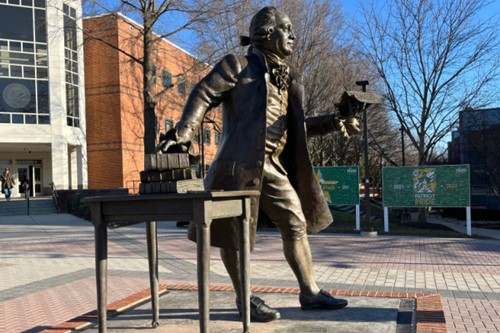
<point>114,98</point>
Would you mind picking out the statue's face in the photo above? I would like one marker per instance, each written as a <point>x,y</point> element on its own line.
<point>282,38</point>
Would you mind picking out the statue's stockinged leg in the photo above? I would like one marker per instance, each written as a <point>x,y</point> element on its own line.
<point>298,256</point>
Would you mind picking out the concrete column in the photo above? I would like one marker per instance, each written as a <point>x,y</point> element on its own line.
<point>60,162</point>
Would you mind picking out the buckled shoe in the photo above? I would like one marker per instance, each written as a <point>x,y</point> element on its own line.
<point>322,301</point>
<point>259,311</point>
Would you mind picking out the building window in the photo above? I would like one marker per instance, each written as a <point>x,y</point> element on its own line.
<point>206,136</point>
<point>166,79</point>
<point>71,66</point>
<point>181,85</point>
<point>23,63</point>
<point>169,124</point>
<point>218,136</point>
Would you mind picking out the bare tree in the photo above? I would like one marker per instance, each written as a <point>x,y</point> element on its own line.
<point>326,56</point>
<point>158,20</point>
<point>434,58</point>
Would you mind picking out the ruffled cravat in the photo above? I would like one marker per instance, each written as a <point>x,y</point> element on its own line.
<point>279,70</point>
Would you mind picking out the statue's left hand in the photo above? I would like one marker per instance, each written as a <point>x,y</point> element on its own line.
<point>347,126</point>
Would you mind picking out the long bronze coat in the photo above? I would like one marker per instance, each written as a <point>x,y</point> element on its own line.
<point>239,85</point>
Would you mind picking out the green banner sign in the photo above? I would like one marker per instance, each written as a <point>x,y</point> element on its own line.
<point>340,184</point>
<point>426,186</point>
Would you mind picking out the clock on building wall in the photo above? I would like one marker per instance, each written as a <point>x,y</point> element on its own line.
<point>16,95</point>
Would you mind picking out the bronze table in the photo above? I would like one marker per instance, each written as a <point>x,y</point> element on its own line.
<point>200,207</point>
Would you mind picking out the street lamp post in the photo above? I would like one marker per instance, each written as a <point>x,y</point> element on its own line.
<point>363,84</point>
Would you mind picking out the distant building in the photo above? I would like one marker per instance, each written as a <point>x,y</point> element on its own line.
<point>114,100</point>
<point>477,142</point>
<point>42,106</point>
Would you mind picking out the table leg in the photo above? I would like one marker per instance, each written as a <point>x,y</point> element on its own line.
<point>101,265</point>
<point>152,244</point>
<point>203,219</point>
<point>244,252</point>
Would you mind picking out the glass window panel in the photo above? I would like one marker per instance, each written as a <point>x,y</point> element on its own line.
<point>75,79</point>
<point>9,23</point>
<point>70,33</point>
<point>41,59</point>
<point>76,122</point>
<point>69,121</point>
<point>15,46</point>
<point>206,136</point>
<point>27,3</point>
<point>42,73</point>
<point>3,1</point>
<point>16,71</point>
<point>166,78</point>
<point>66,9</point>
<point>5,118</point>
<point>28,47</point>
<point>74,66</point>
<point>181,87</point>
<point>17,119</point>
<point>30,119</point>
<point>4,45</point>
<point>4,70</point>
<point>72,12</point>
<point>29,72</point>
<point>43,97</point>
<point>38,174</point>
<point>40,3</point>
<point>14,2</point>
<point>45,120</point>
<point>40,26</point>
<point>71,100</point>
<point>21,58</point>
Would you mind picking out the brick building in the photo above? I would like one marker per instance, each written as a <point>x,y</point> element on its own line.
<point>114,101</point>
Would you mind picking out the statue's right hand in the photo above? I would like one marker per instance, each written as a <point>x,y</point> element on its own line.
<point>165,146</point>
<point>167,140</point>
<point>170,143</point>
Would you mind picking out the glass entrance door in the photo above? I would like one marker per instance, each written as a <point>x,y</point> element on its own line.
<point>36,184</point>
<point>31,175</point>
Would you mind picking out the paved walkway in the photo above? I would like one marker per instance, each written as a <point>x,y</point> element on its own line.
<point>47,269</point>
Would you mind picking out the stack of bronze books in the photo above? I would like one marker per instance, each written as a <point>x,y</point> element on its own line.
<point>169,173</point>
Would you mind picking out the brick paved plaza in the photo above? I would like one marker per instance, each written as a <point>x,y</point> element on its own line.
<point>47,270</point>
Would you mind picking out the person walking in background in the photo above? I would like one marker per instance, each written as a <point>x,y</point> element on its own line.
<point>7,183</point>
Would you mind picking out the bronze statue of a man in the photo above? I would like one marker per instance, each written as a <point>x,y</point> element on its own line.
<point>264,148</point>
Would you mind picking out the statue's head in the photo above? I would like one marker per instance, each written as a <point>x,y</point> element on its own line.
<point>271,30</point>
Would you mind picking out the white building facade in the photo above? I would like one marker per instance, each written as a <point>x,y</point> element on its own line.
<point>42,101</point>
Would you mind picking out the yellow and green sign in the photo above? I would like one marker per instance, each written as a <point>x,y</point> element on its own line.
<point>426,186</point>
<point>340,184</point>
